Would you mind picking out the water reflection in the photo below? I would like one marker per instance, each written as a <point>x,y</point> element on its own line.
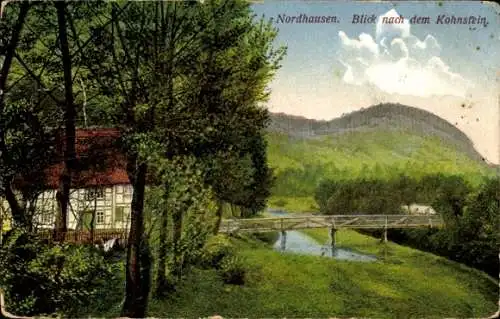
<point>297,242</point>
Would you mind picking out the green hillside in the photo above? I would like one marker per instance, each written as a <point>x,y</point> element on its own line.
<point>373,146</point>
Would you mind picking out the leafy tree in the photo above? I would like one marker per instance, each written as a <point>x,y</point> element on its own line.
<point>451,197</point>
<point>10,40</point>
<point>365,196</point>
<point>172,68</point>
<point>44,96</point>
<point>235,69</point>
<point>405,190</point>
<point>342,200</point>
<point>182,190</point>
<point>323,192</point>
<point>428,186</point>
<point>263,178</point>
<point>26,136</point>
<point>229,176</point>
<point>478,233</point>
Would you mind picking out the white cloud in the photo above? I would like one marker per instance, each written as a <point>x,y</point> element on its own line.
<point>365,47</point>
<point>399,49</point>
<point>391,30</point>
<point>398,62</point>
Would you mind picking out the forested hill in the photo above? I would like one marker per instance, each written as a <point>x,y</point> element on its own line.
<point>381,117</point>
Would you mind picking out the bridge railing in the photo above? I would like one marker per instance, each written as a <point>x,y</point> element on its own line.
<point>330,221</point>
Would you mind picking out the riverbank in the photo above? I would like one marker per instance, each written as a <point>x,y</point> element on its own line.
<point>409,283</point>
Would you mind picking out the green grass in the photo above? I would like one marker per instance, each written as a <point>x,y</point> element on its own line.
<point>407,284</point>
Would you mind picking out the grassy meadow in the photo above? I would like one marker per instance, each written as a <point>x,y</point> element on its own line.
<point>401,285</point>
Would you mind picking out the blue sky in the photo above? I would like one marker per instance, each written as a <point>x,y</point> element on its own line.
<point>335,68</point>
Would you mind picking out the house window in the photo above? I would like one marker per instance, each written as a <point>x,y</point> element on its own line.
<point>94,193</point>
<point>119,214</point>
<point>127,194</point>
<point>46,218</point>
<point>99,217</point>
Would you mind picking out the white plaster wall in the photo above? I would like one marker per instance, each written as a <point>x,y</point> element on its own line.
<point>117,195</point>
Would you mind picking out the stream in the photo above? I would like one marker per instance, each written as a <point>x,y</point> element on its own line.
<point>299,243</point>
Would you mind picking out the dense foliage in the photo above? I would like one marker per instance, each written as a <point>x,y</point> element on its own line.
<point>473,228</point>
<point>471,214</point>
<point>40,278</point>
<point>363,196</point>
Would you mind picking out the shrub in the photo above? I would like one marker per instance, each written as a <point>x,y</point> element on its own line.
<point>232,270</point>
<point>192,243</point>
<point>215,249</point>
<point>40,278</point>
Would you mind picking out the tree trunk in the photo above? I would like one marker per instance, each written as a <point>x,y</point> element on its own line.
<point>146,262</point>
<point>2,214</point>
<point>161,277</point>
<point>162,284</point>
<point>69,126</point>
<point>218,216</point>
<point>244,212</point>
<point>136,292</point>
<point>15,208</point>
<point>177,223</point>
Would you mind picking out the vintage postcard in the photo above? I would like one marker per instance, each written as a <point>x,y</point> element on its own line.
<point>249,159</point>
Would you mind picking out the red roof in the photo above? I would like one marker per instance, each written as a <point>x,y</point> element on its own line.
<point>99,161</point>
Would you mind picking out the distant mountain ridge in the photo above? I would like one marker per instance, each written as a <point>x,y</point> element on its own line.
<point>386,117</point>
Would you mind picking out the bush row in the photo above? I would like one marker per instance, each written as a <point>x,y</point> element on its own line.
<point>472,214</point>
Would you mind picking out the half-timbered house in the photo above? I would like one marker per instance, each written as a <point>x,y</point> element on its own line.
<point>100,193</point>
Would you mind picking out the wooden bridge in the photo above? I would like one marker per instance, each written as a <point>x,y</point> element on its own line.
<point>329,221</point>
<point>333,222</point>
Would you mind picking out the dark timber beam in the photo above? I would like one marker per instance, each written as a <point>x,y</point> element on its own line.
<point>333,237</point>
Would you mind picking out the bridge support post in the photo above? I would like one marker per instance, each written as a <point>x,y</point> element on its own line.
<point>333,237</point>
<point>385,230</point>
<point>283,240</point>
